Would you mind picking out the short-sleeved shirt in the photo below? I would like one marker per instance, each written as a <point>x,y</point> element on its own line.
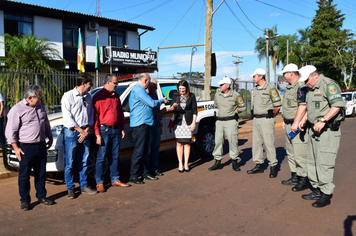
<point>265,98</point>
<point>325,94</point>
<point>228,105</point>
<point>291,100</point>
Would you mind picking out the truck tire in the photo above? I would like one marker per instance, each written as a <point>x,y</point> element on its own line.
<point>353,113</point>
<point>206,142</point>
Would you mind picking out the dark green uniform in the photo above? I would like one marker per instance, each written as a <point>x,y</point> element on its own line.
<point>296,147</point>
<point>227,124</point>
<point>264,100</point>
<point>323,146</point>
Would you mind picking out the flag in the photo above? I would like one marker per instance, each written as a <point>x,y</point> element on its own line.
<point>80,54</point>
<point>97,54</point>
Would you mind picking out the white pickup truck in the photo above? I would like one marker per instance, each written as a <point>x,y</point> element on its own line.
<point>349,96</point>
<point>203,135</point>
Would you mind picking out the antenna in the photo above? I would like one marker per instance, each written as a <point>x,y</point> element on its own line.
<point>97,12</point>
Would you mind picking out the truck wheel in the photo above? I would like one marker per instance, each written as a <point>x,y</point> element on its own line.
<point>353,113</point>
<point>206,142</point>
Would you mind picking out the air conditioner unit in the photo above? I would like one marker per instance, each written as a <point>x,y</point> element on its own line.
<point>93,26</point>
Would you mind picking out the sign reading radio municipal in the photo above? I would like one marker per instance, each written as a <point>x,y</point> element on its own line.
<point>129,57</point>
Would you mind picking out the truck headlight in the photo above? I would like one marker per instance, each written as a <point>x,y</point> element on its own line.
<point>56,130</point>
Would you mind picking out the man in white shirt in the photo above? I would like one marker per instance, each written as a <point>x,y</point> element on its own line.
<point>78,118</point>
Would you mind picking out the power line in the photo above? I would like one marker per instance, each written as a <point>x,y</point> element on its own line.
<point>233,13</point>
<point>283,9</point>
<point>177,23</point>
<point>247,16</point>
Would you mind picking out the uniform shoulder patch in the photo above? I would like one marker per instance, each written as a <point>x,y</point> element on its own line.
<point>274,95</point>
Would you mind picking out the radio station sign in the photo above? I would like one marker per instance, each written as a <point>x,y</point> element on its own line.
<point>129,57</point>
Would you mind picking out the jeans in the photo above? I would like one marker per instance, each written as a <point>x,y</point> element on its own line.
<point>75,151</point>
<point>109,148</point>
<point>35,158</point>
<point>154,143</point>
<point>139,158</point>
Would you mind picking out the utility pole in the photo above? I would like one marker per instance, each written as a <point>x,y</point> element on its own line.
<point>208,33</point>
<point>267,55</point>
<point>237,62</point>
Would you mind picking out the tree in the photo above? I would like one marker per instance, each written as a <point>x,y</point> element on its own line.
<point>27,53</point>
<point>260,47</point>
<point>294,50</point>
<point>325,31</point>
<point>196,78</point>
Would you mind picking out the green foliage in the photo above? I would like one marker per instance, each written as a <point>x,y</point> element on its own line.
<point>326,28</point>
<point>196,78</point>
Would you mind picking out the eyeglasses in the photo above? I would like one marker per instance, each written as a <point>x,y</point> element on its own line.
<point>221,85</point>
<point>115,82</point>
<point>39,97</point>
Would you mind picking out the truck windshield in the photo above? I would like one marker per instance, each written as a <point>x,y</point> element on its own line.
<point>168,90</point>
<point>347,97</point>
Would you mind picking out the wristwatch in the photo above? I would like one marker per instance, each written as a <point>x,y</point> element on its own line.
<point>323,120</point>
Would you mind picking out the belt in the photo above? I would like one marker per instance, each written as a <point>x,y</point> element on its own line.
<point>288,121</point>
<point>82,127</point>
<point>262,116</point>
<point>226,118</point>
<point>110,126</point>
<point>33,144</point>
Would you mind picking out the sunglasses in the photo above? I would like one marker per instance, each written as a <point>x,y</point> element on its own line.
<point>221,85</point>
<point>115,83</point>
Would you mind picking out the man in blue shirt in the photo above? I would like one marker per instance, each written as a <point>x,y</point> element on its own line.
<point>141,118</point>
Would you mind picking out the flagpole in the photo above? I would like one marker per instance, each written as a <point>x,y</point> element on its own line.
<point>96,71</point>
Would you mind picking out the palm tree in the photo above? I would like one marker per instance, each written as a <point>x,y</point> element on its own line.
<point>27,55</point>
<point>260,47</point>
<point>294,53</point>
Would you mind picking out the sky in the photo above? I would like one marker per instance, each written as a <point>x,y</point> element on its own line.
<point>236,26</point>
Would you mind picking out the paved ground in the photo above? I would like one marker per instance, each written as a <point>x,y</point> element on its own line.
<point>201,202</point>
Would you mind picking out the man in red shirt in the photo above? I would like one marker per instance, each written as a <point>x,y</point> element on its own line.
<point>109,130</point>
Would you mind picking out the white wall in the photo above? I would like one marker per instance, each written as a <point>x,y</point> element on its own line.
<point>2,45</point>
<point>132,40</point>
<point>49,28</point>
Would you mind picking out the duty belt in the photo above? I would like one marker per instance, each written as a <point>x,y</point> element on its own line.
<point>288,121</point>
<point>262,116</point>
<point>226,118</point>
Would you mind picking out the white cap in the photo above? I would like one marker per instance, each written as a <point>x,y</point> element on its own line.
<point>305,72</point>
<point>225,80</point>
<point>289,68</point>
<point>259,71</point>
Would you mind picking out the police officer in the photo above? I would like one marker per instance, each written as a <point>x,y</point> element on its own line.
<point>229,104</point>
<point>266,103</point>
<point>294,107</point>
<point>325,111</point>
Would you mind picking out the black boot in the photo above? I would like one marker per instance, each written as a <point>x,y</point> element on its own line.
<point>301,185</point>
<point>292,181</point>
<point>324,200</point>
<point>256,169</point>
<point>234,165</point>
<point>273,172</point>
<point>216,166</point>
<point>315,195</point>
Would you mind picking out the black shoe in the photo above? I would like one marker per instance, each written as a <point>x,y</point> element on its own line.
<point>150,177</point>
<point>216,166</point>
<point>136,181</point>
<point>71,194</point>
<point>273,172</point>
<point>47,201</point>
<point>234,166</point>
<point>158,173</point>
<point>301,185</point>
<point>315,195</point>
<point>324,200</point>
<point>25,206</point>
<point>256,169</point>
<point>292,181</point>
